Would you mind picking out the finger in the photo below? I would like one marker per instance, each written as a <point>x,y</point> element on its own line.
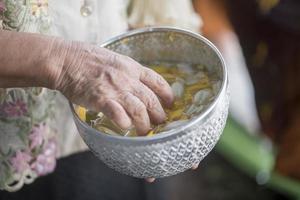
<point>150,180</point>
<point>124,63</point>
<point>195,166</point>
<point>158,84</point>
<point>117,114</point>
<point>137,112</point>
<point>150,100</point>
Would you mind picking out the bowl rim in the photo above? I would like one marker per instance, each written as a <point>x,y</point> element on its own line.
<point>206,113</point>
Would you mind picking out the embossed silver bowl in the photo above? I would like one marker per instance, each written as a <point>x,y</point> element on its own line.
<point>176,150</point>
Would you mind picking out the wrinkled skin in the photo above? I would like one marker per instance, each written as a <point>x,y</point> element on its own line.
<point>116,85</point>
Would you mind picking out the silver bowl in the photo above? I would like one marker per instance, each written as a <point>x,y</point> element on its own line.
<point>176,150</point>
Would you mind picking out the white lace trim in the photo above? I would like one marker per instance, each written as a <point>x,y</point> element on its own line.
<point>18,180</point>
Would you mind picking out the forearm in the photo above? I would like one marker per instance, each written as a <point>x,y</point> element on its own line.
<point>29,60</point>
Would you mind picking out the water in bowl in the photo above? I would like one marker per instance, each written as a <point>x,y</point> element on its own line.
<point>194,88</point>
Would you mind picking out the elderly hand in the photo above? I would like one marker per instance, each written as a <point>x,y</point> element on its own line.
<point>116,85</point>
<point>88,75</point>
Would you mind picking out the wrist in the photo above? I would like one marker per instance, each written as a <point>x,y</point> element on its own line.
<point>25,60</point>
<point>53,62</point>
<point>64,60</point>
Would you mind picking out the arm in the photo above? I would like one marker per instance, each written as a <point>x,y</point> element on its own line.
<point>88,75</point>
<point>25,60</point>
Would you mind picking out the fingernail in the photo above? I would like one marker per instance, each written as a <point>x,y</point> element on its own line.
<point>150,180</point>
<point>143,132</point>
<point>169,104</point>
<point>162,116</point>
<point>195,166</point>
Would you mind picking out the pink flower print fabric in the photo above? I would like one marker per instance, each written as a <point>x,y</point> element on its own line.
<point>20,162</point>
<point>45,162</point>
<point>15,109</point>
<point>36,135</point>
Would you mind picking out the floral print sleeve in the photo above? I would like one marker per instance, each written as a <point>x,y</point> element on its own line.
<point>28,145</point>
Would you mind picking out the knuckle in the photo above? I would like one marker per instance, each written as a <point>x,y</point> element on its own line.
<point>98,102</point>
<point>147,96</point>
<point>127,58</point>
<point>131,64</point>
<point>152,101</point>
<point>113,59</point>
<point>160,81</point>
<point>139,110</point>
<point>154,77</point>
<point>125,96</point>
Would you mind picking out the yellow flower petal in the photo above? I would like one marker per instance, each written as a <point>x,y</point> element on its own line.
<point>81,112</point>
<point>150,133</point>
<point>160,69</point>
<point>191,89</point>
<point>175,114</point>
